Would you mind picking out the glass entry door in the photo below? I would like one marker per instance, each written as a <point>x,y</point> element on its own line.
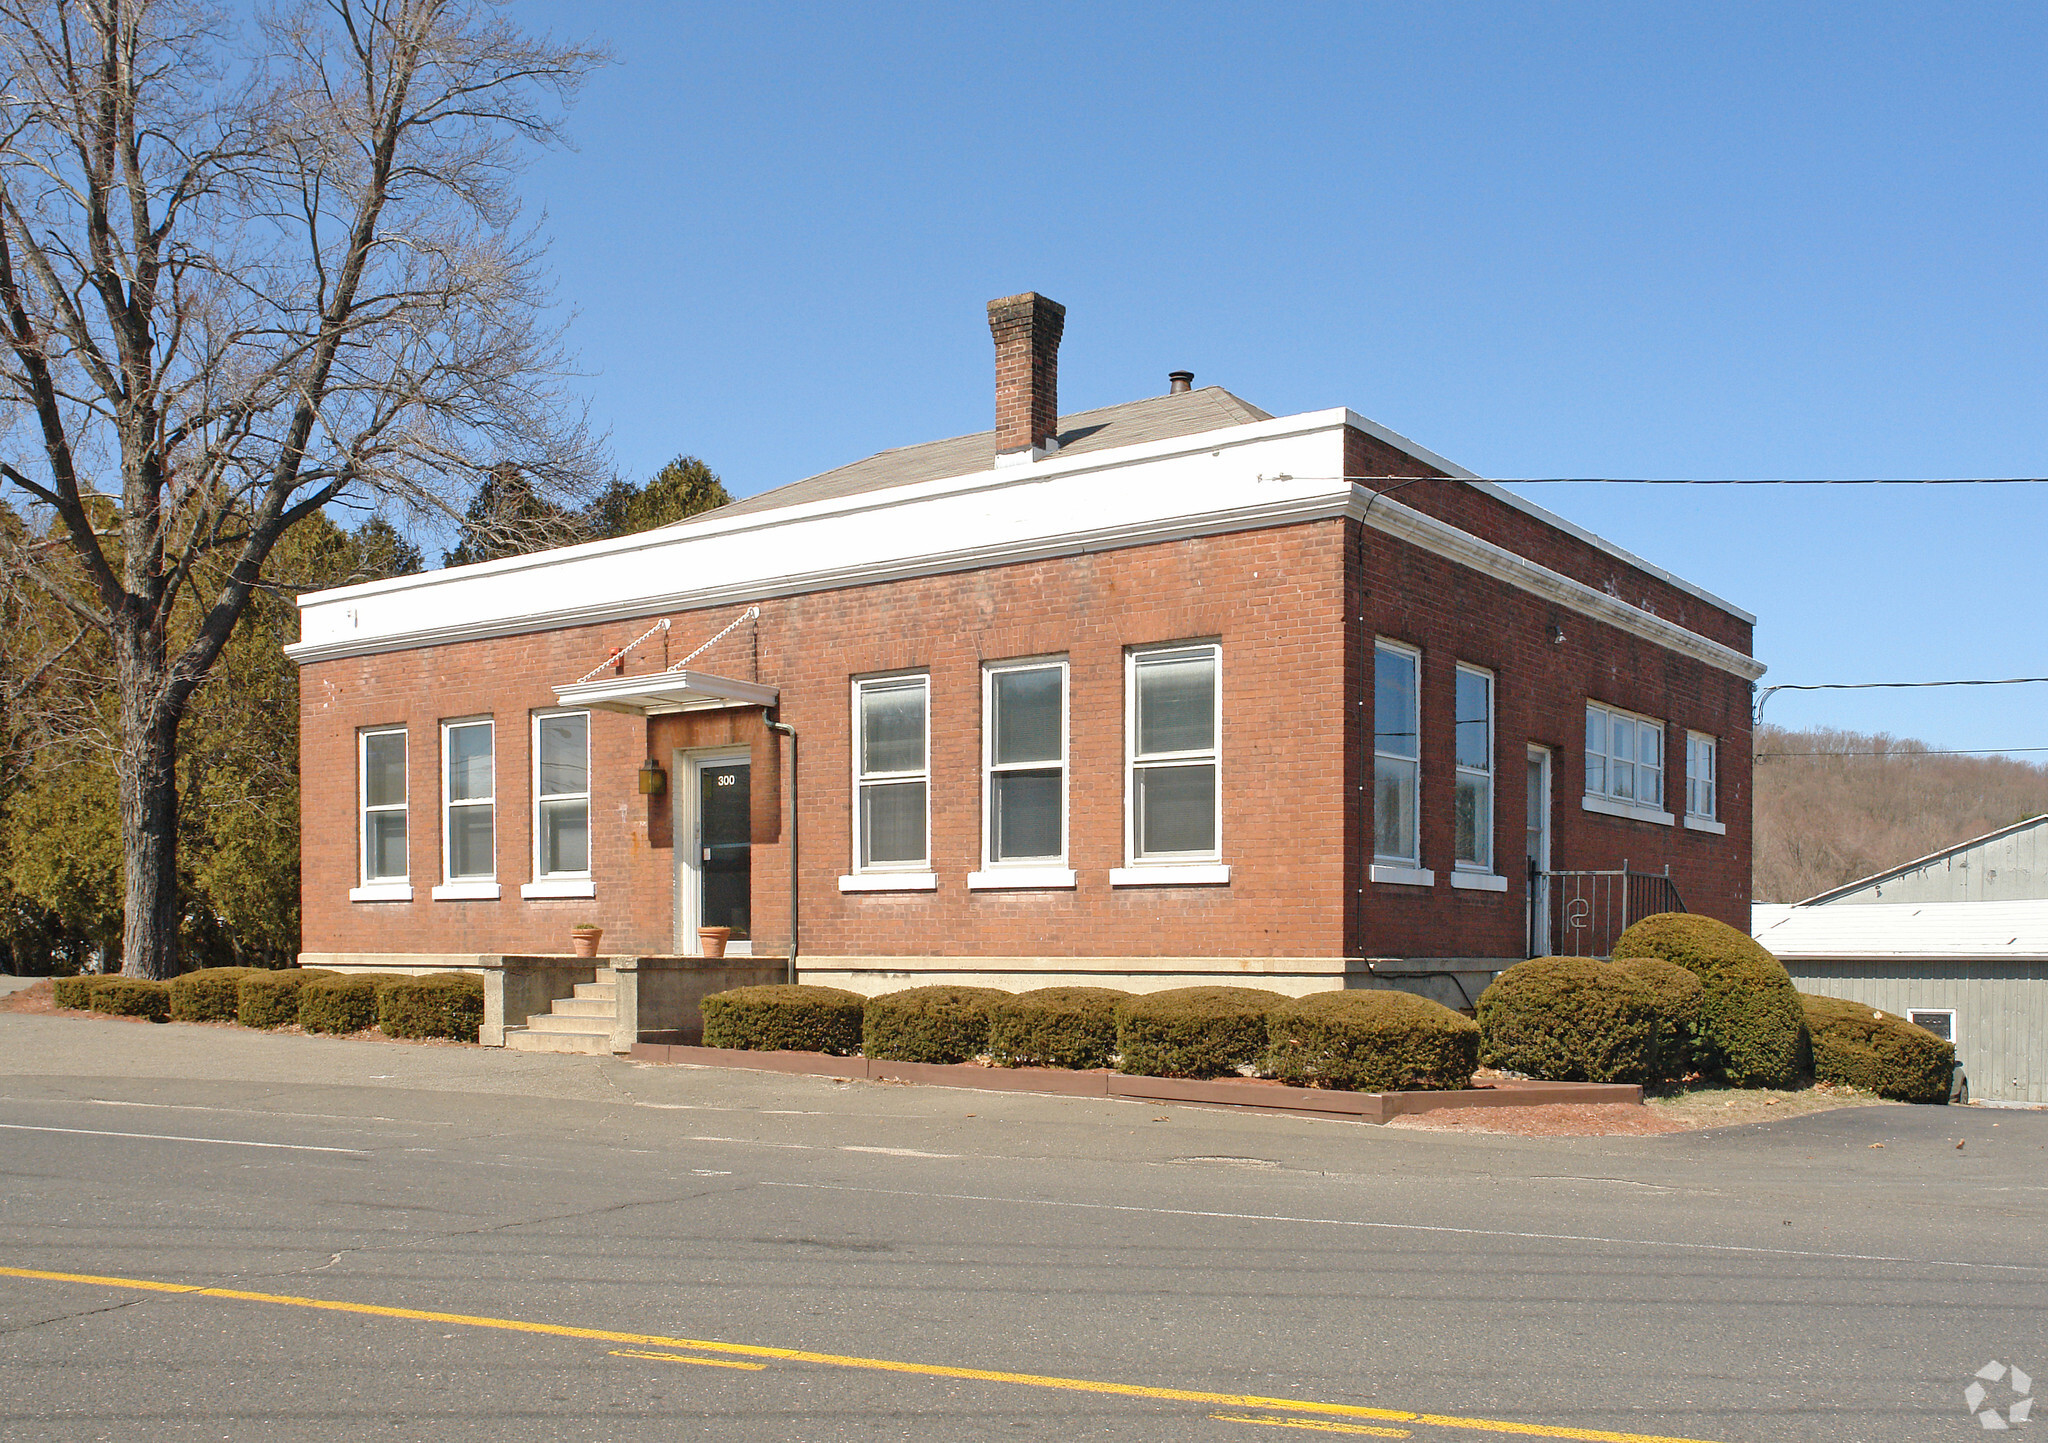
<point>716,876</point>
<point>1537,834</point>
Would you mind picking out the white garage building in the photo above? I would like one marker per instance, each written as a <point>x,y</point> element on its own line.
<point>1956,941</point>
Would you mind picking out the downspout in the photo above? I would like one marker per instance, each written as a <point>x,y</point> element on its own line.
<point>795,855</point>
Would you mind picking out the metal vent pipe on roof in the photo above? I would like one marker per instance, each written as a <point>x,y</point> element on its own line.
<point>1179,381</point>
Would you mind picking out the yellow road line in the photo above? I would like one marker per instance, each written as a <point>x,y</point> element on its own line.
<point>1313,1425</point>
<point>882,1365</point>
<point>679,1358</point>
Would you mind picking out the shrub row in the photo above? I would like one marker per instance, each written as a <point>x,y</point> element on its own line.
<point>123,996</point>
<point>132,997</point>
<point>1578,1019</point>
<point>1877,1051</point>
<point>1359,1040</point>
<point>798,1018</point>
<point>1685,994</point>
<point>1751,1024</point>
<point>440,1004</point>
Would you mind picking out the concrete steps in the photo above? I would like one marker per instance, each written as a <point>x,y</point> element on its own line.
<point>582,1023</point>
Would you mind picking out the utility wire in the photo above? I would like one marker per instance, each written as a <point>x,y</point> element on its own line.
<point>1708,480</point>
<point>1907,752</point>
<point>1770,691</point>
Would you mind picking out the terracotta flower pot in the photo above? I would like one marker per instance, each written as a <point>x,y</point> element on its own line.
<point>585,940</point>
<point>711,941</point>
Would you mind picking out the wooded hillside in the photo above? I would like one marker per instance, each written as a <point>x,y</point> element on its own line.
<point>1833,806</point>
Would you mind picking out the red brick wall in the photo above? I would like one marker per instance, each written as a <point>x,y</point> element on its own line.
<point>1295,610</point>
<point>1540,691</point>
<point>1273,599</point>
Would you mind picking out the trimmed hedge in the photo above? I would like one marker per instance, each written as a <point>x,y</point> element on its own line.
<point>440,1004</point>
<point>929,1024</point>
<point>1750,1017</point>
<point>1371,1041</point>
<point>271,999</point>
<point>132,997</point>
<point>1569,1019</point>
<point>76,992</point>
<point>783,1017</point>
<point>343,1002</point>
<point>1675,996</point>
<point>211,994</point>
<point>1055,1027</point>
<point>1193,1031</point>
<point>1877,1051</point>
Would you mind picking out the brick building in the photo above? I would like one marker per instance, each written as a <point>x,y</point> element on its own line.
<point>1168,691</point>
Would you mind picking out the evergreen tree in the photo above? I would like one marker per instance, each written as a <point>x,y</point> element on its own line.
<point>685,487</point>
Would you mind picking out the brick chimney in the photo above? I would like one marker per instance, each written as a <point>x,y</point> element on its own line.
<point>1027,331</point>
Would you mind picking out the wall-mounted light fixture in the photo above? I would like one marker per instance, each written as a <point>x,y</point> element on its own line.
<point>1557,633</point>
<point>653,780</point>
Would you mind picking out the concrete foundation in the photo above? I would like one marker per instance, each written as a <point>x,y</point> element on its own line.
<point>648,994</point>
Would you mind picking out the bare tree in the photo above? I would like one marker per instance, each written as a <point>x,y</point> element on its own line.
<point>1833,806</point>
<point>249,270</point>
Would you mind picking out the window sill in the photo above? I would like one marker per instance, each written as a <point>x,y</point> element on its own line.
<point>381,892</point>
<point>997,879</point>
<point>1479,882</point>
<point>467,892</point>
<point>891,882</point>
<point>1706,824</point>
<point>1633,811</point>
<point>1403,876</point>
<point>559,887</point>
<point>1166,874</point>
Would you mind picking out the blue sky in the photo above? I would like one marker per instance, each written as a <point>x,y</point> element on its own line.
<point>1633,240</point>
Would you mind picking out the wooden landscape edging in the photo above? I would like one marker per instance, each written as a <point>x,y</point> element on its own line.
<point>1246,1095</point>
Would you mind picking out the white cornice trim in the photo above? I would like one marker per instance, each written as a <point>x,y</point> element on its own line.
<point>1404,523</point>
<point>1290,503</point>
<point>1543,514</point>
<point>985,480</point>
<point>1315,507</point>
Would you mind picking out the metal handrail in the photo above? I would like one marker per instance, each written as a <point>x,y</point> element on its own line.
<point>1594,906</point>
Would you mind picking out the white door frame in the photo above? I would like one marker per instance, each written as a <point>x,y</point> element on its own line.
<point>686,772</point>
<point>1536,913</point>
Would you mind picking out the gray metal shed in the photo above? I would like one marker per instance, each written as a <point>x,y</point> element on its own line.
<point>1957,941</point>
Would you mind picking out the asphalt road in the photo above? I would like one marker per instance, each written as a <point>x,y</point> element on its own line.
<point>432,1242</point>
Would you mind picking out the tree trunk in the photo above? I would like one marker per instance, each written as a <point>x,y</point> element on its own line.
<point>149,811</point>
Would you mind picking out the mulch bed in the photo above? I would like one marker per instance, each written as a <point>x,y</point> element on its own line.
<point>40,999</point>
<point>1550,1119</point>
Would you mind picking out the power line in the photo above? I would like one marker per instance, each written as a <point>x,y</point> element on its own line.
<point>1770,691</point>
<point>1908,752</point>
<point>1708,480</point>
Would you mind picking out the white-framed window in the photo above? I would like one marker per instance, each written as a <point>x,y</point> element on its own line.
<point>1941,1021</point>
<point>469,807</point>
<point>1173,759</point>
<point>1024,774</point>
<point>1472,814</point>
<point>1699,776</point>
<point>1397,755</point>
<point>381,794</point>
<point>561,794</point>
<point>1624,764</point>
<point>892,774</point>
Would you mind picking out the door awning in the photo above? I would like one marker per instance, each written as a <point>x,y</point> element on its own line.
<point>665,692</point>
